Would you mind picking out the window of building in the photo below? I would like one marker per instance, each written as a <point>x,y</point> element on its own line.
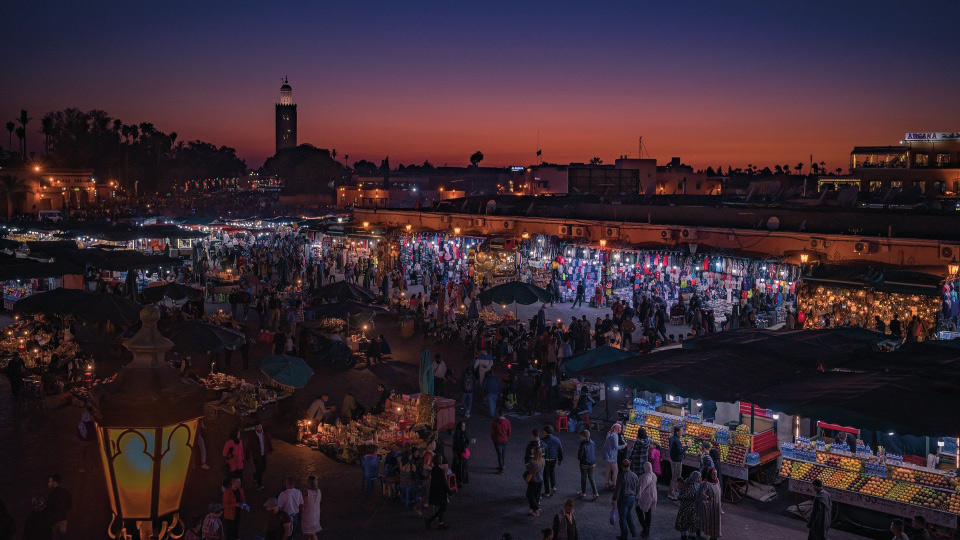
<point>939,188</point>
<point>876,185</point>
<point>943,160</point>
<point>921,184</point>
<point>921,160</point>
<point>698,186</point>
<point>896,183</point>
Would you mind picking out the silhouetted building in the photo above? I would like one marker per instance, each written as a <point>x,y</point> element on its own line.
<point>286,118</point>
<point>927,161</point>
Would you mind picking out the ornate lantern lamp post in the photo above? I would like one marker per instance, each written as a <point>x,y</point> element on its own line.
<point>147,428</point>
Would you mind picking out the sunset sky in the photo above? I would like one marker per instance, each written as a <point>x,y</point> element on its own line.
<point>717,83</point>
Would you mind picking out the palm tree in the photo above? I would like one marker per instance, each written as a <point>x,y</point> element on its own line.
<point>21,134</point>
<point>596,161</point>
<point>799,167</point>
<point>476,158</point>
<point>10,127</point>
<point>839,170</point>
<point>23,121</point>
<point>778,169</point>
<point>46,127</point>
<point>11,185</point>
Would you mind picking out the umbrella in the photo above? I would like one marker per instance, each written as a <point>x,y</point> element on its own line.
<point>83,306</point>
<point>514,292</point>
<point>426,372</point>
<point>286,370</point>
<point>602,355</point>
<point>203,337</point>
<point>332,350</point>
<point>344,290</point>
<point>174,291</point>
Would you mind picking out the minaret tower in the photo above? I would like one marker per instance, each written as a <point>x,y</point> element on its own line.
<point>286,118</point>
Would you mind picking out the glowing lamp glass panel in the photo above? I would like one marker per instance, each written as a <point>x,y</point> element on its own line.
<point>133,452</point>
<point>178,449</point>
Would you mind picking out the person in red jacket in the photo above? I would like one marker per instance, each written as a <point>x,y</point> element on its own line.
<point>259,446</point>
<point>500,434</point>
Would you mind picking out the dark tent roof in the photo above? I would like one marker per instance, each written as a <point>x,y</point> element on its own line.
<point>780,370</point>
<point>31,269</point>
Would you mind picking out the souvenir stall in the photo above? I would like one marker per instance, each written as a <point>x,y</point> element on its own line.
<point>244,399</point>
<point>497,260</point>
<point>393,430</point>
<point>842,296</point>
<point>18,289</point>
<point>428,251</point>
<point>540,258</point>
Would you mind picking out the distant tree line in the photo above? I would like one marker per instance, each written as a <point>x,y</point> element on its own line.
<point>132,154</point>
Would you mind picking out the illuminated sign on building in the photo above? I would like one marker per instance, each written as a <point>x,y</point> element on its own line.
<point>932,136</point>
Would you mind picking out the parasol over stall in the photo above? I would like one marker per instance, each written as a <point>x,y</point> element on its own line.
<point>177,292</point>
<point>288,371</point>
<point>514,292</point>
<point>344,290</point>
<point>203,337</point>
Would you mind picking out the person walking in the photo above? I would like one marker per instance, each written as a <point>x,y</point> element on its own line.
<point>708,505</point>
<point>58,504</point>
<point>565,523</point>
<point>706,462</point>
<point>688,518</point>
<point>646,498</point>
<point>553,456</point>
<point>259,446</point>
<point>439,376</point>
<point>534,443</point>
<point>234,500</point>
<point>491,389</point>
<point>534,478</point>
<point>611,451</point>
<point>820,514</point>
<point>291,502</point>
<point>625,498</point>
<point>233,453</point>
<point>310,520</point>
<point>467,383</point>
<point>581,295</point>
<point>587,456</point>
<point>461,453</point>
<point>500,433</point>
<point>439,493</point>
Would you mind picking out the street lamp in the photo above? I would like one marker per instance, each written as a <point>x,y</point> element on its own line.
<point>953,267</point>
<point>804,257</point>
<point>147,428</point>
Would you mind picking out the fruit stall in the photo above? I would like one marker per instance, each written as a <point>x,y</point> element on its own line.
<point>742,454</point>
<point>879,481</point>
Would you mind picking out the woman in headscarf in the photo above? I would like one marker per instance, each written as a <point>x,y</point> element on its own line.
<point>646,498</point>
<point>233,453</point>
<point>687,518</point>
<point>708,505</point>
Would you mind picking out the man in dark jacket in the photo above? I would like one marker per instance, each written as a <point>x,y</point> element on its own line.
<point>533,444</point>
<point>552,457</point>
<point>58,504</point>
<point>258,447</point>
<point>676,461</point>
<point>820,515</point>
<point>587,456</point>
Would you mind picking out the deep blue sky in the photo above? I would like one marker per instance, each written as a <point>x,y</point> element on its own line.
<point>713,82</point>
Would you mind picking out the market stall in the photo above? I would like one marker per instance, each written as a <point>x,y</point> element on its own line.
<point>393,430</point>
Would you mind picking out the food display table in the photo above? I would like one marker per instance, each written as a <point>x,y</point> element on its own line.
<point>870,481</point>
<point>734,466</point>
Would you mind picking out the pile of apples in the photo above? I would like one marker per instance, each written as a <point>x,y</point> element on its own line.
<point>858,484</point>
<point>930,498</point>
<point>841,479</point>
<point>800,470</point>
<point>953,503</point>
<point>735,455</point>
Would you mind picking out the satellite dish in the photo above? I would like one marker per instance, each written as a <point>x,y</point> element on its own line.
<point>491,206</point>
<point>773,223</point>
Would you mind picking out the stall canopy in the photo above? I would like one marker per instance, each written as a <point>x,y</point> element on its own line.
<point>174,291</point>
<point>879,279</point>
<point>602,355</point>
<point>514,292</point>
<point>84,306</point>
<point>203,337</point>
<point>834,375</point>
<point>12,268</point>
<point>344,309</point>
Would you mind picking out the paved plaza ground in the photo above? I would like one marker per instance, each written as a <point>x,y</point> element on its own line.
<point>37,438</point>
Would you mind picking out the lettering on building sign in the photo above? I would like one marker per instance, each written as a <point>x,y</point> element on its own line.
<point>933,136</point>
